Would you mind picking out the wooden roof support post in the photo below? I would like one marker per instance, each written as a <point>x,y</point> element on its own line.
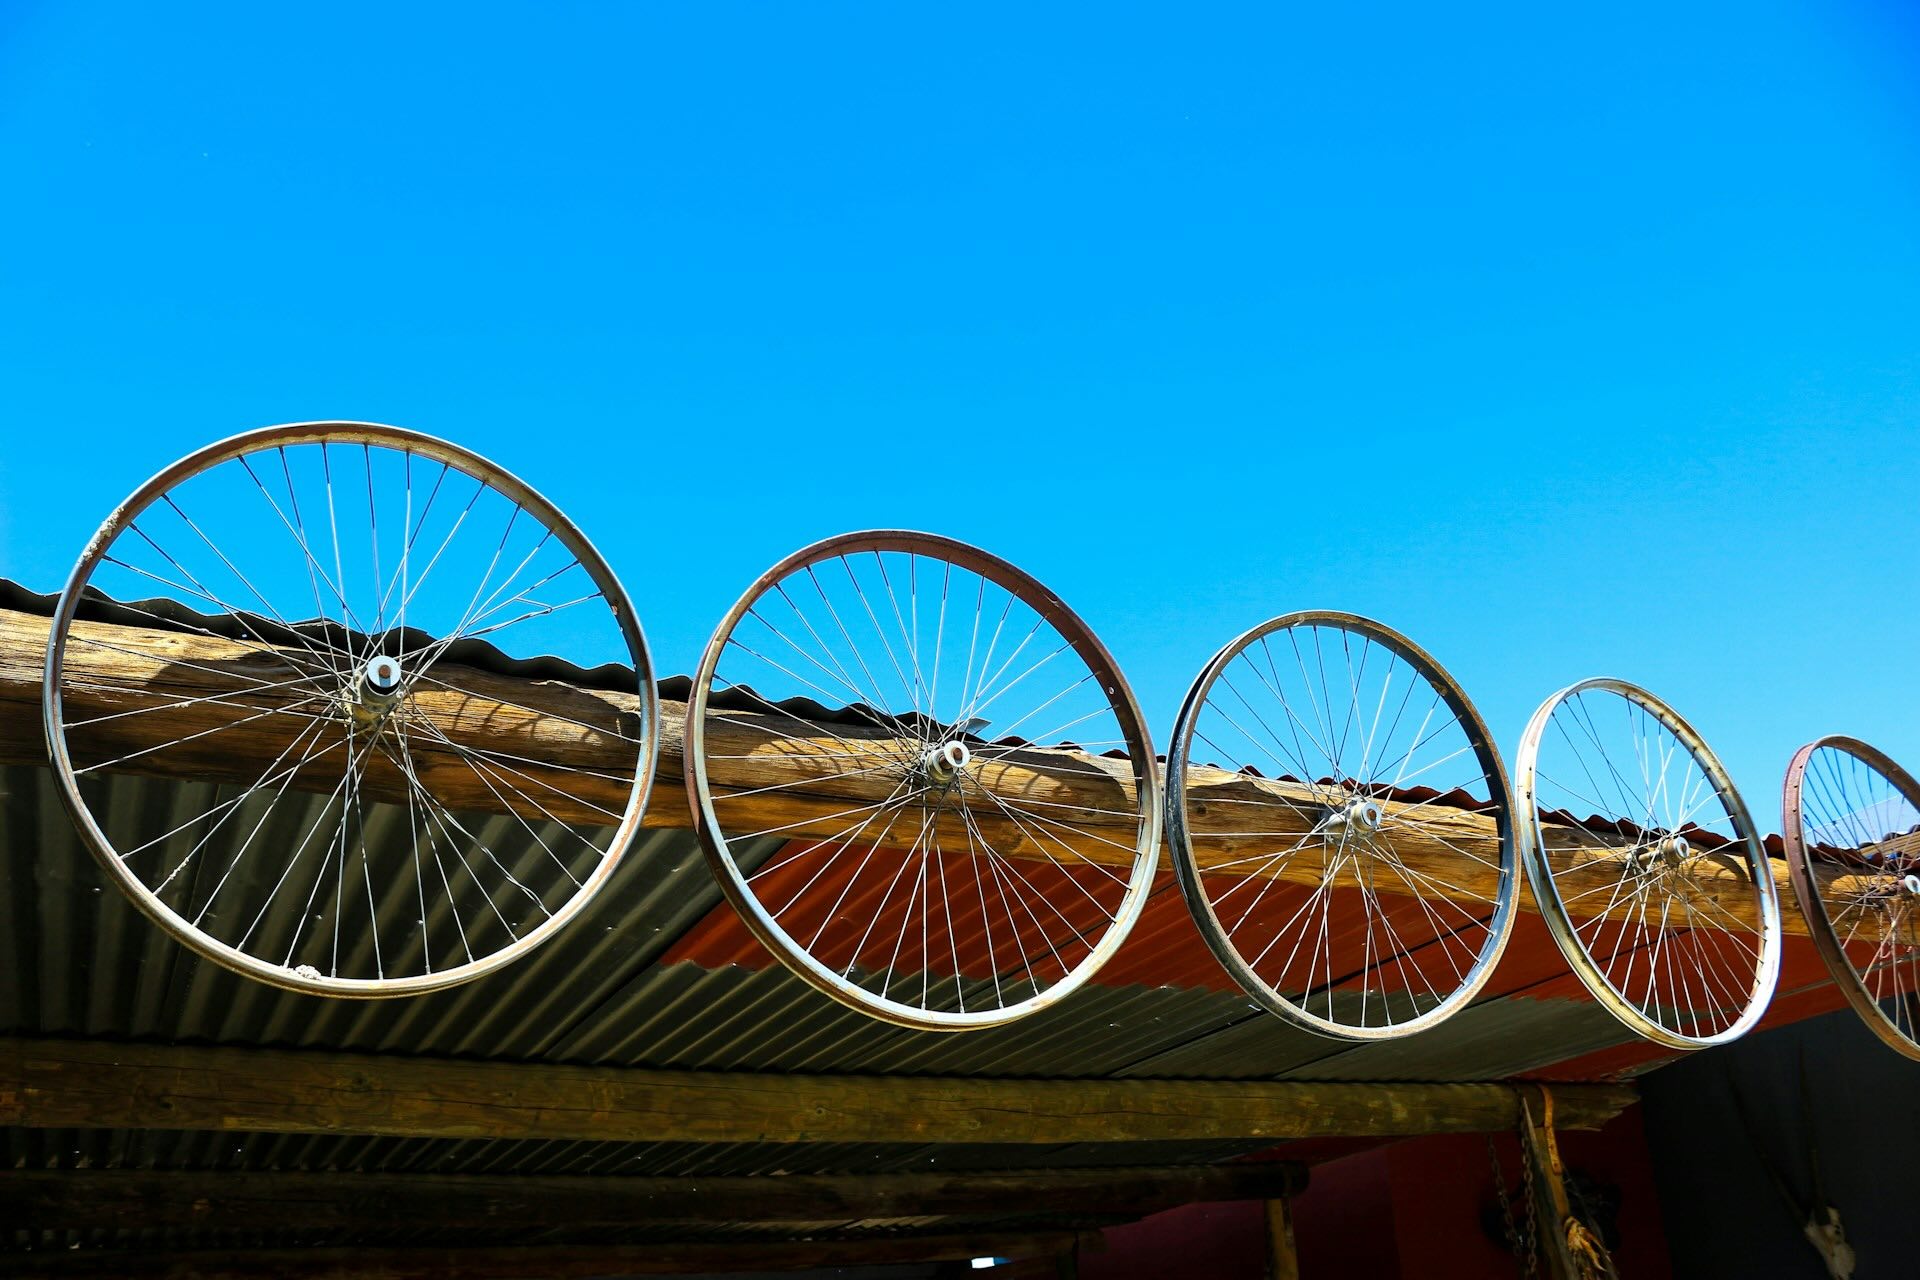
<point>1569,1248</point>
<point>1283,1261</point>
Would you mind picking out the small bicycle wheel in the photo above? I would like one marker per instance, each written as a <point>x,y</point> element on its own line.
<point>1662,899</point>
<point>314,629</point>
<point>1850,819</point>
<point>1349,855</point>
<point>921,780</point>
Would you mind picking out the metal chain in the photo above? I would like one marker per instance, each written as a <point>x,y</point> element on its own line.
<point>1521,1247</point>
<point>1533,1212</point>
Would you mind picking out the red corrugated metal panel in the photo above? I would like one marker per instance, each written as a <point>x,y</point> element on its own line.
<point>909,912</point>
<point>1165,950</point>
<point>1805,990</point>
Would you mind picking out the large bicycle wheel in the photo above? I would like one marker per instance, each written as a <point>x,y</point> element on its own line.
<point>1662,898</point>
<point>921,780</point>
<point>1850,820</point>
<point>1348,853</point>
<point>315,628</point>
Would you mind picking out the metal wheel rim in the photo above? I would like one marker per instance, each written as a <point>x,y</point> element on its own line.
<point>458,459</point>
<point>1806,888</point>
<point>1186,862</point>
<point>1540,876</point>
<point>734,881</point>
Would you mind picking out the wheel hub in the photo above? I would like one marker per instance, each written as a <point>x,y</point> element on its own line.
<point>1358,818</point>
<point>944,762</point>
<point>1661,855</point>
<point>377,688</point>
<point>1895,887</point>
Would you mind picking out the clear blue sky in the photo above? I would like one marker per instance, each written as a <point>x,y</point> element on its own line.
<point>1569,344</point>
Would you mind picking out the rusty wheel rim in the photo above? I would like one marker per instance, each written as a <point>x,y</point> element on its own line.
<point>1850,821</point>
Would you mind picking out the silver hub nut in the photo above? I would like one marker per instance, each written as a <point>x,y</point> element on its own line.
<point>377,690</point>
<point>945,761</point>
<point>382,675</point>
<point>1357,817</point>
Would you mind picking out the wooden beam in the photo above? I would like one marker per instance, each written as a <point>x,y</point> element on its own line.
<point>145,1199</point>
<point>539,1262</point>
<point>769,771</point>
<point>62,1084</point>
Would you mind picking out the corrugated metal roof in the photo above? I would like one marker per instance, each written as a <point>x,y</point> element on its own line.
<point>83,962</point>
<point>658,973</point>
<point>86,963</point>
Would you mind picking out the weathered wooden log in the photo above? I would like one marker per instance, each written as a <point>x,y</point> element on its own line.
<point>78,1084</point>
<point>570,753</point>
<point>147,1199</point>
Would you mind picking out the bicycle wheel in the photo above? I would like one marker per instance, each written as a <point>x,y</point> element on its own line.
<point>1662,899</point>
<point>315,628</point>
<point>1365,890</point>
<point>921,780</point>
<point>1850,820</point>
